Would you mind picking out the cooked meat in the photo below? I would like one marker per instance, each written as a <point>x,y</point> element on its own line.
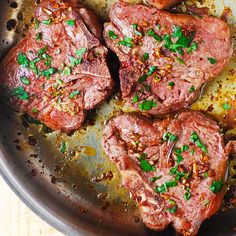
<point>173,168</point>
<point>59,70</point>
<point>165,58</point>
<point>162,4</point>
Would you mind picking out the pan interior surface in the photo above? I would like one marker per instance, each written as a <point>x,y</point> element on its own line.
<point>66,178</point>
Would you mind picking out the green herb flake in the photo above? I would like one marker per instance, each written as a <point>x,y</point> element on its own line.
<point>20,93</point>
<point>37,24</point>
<point>63,147</point>
<point>145,56</point>
<point>184,148</point>
<point>135,28</point>
<point>179,60</point>
<point>25,80</point>
<point>226,106</point>
<point>80,52</point>
<point>172,138</point>
<point>153,34</point>
<point>34,110</point>
<point>67,71</point>
<point>23,60</point>
<point>70,22</point>
<point>187,196</point>
<point>112,34</point>
<point>158,26</point>
<point>128,42</point>
<point>193,47</point>
<point>47,73</point>
<point>192,89</point>
<point>212,60</point>
<point>165,187</point>
<point>171,84</point>
<point>47,22</point>
<point>151,70</point>
<point>206,174</point>
<point>216,186</point>
<point>177,31</point>
<point>146,167</point>
<point>74,94</point>
<point>147,105</point>
<point>195,139</point>
<point>172,210</point>
<point>173,170</point>
<point>192,152</point>
<point>39,36</point>
<point>135,98</point>
<point>155,178</point>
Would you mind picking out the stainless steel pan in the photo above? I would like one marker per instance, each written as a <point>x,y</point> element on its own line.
<point>77,190</point>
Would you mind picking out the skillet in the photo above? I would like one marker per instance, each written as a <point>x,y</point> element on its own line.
<point>78,191</point>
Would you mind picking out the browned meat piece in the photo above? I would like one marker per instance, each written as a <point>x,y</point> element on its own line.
<point>173,168</point>
<point>165,58</point>
<point>58,71</point>
<point>162,4</point>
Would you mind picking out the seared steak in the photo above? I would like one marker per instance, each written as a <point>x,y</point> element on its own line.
<point>165,58</point>
<point>162,4</point>
<point>59,70</point>
<point>173,168</point>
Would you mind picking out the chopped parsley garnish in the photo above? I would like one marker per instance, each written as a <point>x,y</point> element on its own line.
<point>177,31</point>
<point>184,148</point>
<point>25,80</point>
<point>165,187</point>
<point>216,186</point>
<point>193,47</point>
<point>128,42</point>
<point>23,60</point>
<point>192,89</point>
<point>146,167</point>
<point>74,94</point>
<point>155,178</point>
<point>212,60</point>
<point>135,98</point>
<point>39,36</point>
<point>169,136</point>
<point>80,52</point>
<point>172,208</point>
<point>37,24</point>
<point>67,70</point>
<point>47,22</point>
<point>144,164</point>
<point>63,147</point>
<point>135,26</point>
<point>112,35</point>
<point>171,84</point>
<point>179,60</point>
<point>226,106</point>
<point>34,110</point>
<point>142,78</point>
<point>75,61</point>
<point>181,42</point>
<point>151,70</point>
<point>147,105</point>
<point>145,56</point>
<point>70,22</point>
<point>47,73</point>
<point>192,152</point>
<point>153,34</point>
<point>20,93</point>
<point>187,195</point>
<point>195,139</point>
